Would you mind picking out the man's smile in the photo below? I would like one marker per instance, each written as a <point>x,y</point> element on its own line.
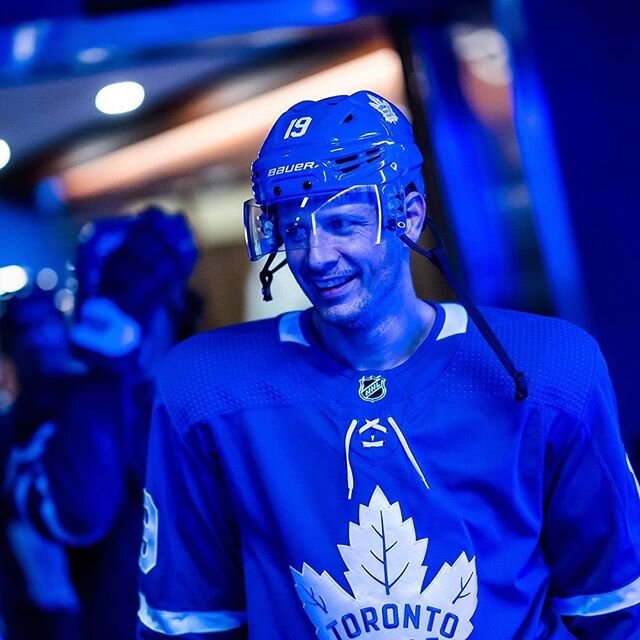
<point>331,287</point>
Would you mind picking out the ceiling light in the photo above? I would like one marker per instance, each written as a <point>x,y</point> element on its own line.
<point>5,153</point>
<point>94,55</point>
<point>64,300</point>
<point>120,97</point>
<point>24,42</point>
<point>12,279</point>
<point>47,279</point>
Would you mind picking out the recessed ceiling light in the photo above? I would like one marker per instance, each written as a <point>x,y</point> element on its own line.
<point>24,42</point>
<point>47,279</point>
<point>5,153</point>
<point>12,279</point>
<point>94,55</point>
<point>120,97</point>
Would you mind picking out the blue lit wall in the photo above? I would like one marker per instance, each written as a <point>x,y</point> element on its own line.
<point>576,82</point>
<point>577,116</point>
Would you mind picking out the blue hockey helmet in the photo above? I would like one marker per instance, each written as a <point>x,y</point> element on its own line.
<point>358,147</point>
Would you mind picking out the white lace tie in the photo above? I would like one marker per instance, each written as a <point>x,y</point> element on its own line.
<point>403,441</point>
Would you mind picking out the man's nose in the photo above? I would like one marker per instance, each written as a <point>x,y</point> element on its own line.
<point>322,254</point>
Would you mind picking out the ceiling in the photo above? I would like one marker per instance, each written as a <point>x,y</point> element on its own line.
<point>42,116</point>
<point>191,56</point>
<point>51,70</point>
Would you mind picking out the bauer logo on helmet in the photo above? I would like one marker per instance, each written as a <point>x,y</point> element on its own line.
<point>291,168</point>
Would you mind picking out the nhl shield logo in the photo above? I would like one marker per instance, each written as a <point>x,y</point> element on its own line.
<point>372,388</point>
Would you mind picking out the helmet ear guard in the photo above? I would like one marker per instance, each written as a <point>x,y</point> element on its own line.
<point>395,215</point>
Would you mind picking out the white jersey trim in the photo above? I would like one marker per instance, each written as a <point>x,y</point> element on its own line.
<point>455,320</point>
<point>175,623</point>
<point>600,603</point>
<point>290,329</point>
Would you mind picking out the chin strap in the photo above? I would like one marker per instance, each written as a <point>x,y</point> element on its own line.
<point>438,259</point>
<point>266,276</point>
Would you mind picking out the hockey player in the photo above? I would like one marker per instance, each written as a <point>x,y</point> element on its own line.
<point>364,469</point>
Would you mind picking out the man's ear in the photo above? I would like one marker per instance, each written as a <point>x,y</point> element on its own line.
<point>416,210</point>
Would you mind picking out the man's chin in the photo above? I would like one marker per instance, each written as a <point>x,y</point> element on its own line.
<point>339,315</point>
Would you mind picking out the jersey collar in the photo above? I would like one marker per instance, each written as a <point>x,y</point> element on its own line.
<point>326,374</point>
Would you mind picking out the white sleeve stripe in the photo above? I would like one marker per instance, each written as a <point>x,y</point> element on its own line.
<point>174,623</point>
<point>601,603</point>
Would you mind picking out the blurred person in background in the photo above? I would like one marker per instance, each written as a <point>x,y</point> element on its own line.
<point>78,481</point>
<point>38,597</point>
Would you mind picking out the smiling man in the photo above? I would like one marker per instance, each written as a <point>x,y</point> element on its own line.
<point>363,469</point>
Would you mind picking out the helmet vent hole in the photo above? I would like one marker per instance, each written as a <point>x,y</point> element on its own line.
<point>277,190</point>
<point>307,184</point>
<point>353,167</point>
<point>346,159</point>
<point>348,118</point>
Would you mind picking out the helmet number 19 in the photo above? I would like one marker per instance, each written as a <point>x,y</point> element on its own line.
<point>297,127</point>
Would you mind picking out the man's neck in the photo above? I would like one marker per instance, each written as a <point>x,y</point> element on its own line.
<point>383,344</point>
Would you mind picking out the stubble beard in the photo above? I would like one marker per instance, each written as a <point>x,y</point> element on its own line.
<point>345,316</point>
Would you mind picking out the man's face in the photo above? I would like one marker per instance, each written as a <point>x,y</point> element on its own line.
<point>353,268</point>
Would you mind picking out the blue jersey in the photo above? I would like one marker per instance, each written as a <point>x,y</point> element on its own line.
<point>290,497</point>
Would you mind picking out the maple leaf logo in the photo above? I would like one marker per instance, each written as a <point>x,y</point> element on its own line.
<point>381,105</point>
<point>385,571</point>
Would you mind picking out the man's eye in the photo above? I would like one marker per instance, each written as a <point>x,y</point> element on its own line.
<point>337,224</point>
<point>343,225</point>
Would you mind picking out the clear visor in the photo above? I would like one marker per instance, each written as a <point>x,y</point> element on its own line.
<point>297,224</point>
